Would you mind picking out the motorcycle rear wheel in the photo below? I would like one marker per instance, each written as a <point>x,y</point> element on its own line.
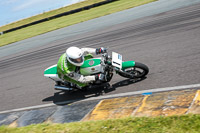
<point>138,71</point>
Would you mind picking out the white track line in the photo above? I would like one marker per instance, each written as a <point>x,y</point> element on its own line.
<point>106,97</point>
<point>27,108</point>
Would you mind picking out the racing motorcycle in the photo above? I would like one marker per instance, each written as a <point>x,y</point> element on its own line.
<point>105,64</point>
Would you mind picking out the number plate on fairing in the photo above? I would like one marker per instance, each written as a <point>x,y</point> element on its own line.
<point>117,60</point>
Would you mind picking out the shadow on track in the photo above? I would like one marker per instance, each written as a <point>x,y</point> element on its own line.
<point>67,97</point>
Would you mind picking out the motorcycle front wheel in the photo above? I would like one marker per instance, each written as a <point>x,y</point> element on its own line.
<point>138,71</point>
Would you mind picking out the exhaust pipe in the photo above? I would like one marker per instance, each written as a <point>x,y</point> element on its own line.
<point>62,88</point>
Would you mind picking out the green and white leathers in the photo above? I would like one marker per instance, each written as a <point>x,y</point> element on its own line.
<point>67,71</point>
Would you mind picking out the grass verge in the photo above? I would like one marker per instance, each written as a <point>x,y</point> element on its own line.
<point>65,21</point>
<point>173,124</point>
<point>49,14</point>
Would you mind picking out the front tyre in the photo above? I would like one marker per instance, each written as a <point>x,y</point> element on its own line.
<point>138,71</point>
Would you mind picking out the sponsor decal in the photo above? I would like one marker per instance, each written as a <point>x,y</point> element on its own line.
<point>91,63</point>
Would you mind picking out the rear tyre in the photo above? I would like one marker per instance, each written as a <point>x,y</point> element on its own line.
<point>138,71</point>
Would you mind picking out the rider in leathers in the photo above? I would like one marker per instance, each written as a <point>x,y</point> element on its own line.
<point>69,64</point>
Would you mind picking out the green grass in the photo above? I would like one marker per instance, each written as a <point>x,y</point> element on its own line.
<point>49,14</point>
<point>174,124</point>
<point>69,20</point>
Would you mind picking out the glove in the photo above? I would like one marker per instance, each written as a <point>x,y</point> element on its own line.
<point>101,50</point>
<point>100,77</point>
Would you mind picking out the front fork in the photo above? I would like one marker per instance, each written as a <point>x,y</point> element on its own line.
<point>123,72</point>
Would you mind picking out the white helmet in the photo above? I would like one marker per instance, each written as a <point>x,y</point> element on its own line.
<point>75,56</point>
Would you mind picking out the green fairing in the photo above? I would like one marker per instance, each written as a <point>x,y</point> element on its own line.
<point>52,70</point>
<point>90,66</point>
<point>125,65</point>
<point>128,64</point>
<point>87,63</point>
<point>63,70</point>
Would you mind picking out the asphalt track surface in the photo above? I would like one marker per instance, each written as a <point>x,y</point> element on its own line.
<point>168,43</point>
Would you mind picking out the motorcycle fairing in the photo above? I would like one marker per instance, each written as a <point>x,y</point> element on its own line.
<point>91,66</point>
<point>51,72</point>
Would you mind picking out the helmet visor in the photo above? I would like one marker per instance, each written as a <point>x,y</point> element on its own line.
<point>78,60</point>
